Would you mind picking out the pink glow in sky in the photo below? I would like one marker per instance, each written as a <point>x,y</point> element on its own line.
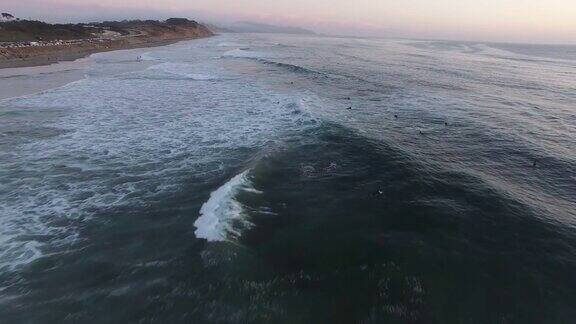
<point>552,21</point>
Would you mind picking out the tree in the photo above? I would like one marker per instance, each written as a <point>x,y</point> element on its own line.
<point>180,22</point>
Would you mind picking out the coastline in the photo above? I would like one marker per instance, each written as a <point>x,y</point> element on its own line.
<point>22,81</point>
<point>15,78</point>
<point>26,43</point>
<point>32,56</point>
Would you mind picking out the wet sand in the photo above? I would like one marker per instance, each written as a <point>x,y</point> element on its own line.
<point>25,80</point>
<point>20,81</point>
<point>46,55</point>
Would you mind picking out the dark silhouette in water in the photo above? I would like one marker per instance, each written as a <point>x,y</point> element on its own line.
<point>534,164</point>
<point>395,116</point>
<point>445,123</point>
<point>349,108</point>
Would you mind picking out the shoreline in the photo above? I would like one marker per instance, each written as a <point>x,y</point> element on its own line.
<point>15,80</point>
<point>33,57</point>
<point>22,81</point>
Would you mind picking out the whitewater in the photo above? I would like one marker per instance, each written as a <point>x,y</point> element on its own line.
<point>302,179</point>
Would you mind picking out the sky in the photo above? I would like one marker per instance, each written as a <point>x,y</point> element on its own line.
<point>529,21</point>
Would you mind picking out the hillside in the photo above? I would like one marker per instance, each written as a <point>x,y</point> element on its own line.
<point>31,30</point>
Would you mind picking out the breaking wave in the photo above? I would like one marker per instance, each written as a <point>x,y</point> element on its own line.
<point>187,71</point>
<point>223,217</point>
<point>245,53</point>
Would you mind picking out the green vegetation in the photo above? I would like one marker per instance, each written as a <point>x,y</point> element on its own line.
<point>31,30</point>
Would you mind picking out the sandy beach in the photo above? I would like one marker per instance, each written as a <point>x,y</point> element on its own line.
<point>33,75</point>
<point>28,67</point>
<point>20,81</point>
<point>46,55</point>
<point>35,53</point>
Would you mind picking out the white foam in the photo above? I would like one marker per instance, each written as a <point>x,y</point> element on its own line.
<point>252,190</point>
<point>222,210</point>
<point>231,44</point>
<point>127,140</point>
<point>148,57</point>
<point>19,253</point>
<point>489,50</point>
<point>188,71</point>
<point>243,53</point>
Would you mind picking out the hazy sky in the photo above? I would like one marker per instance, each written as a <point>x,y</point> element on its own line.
<point>552,21</point>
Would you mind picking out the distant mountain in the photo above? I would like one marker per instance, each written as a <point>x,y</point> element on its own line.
<point>252,27</point>
<point>217,28</point>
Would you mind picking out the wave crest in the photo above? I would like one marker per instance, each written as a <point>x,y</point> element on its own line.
<point>223,217</point>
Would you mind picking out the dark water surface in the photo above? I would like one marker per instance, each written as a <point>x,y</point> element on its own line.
<point>285,179</point>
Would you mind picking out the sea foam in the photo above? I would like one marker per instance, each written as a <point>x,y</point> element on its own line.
<point>182,70</point>
<point>244,53</point>
<point>222,216</point>
<point>128,140</point>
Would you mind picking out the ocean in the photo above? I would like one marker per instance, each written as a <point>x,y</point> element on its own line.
<point>250,178</point>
